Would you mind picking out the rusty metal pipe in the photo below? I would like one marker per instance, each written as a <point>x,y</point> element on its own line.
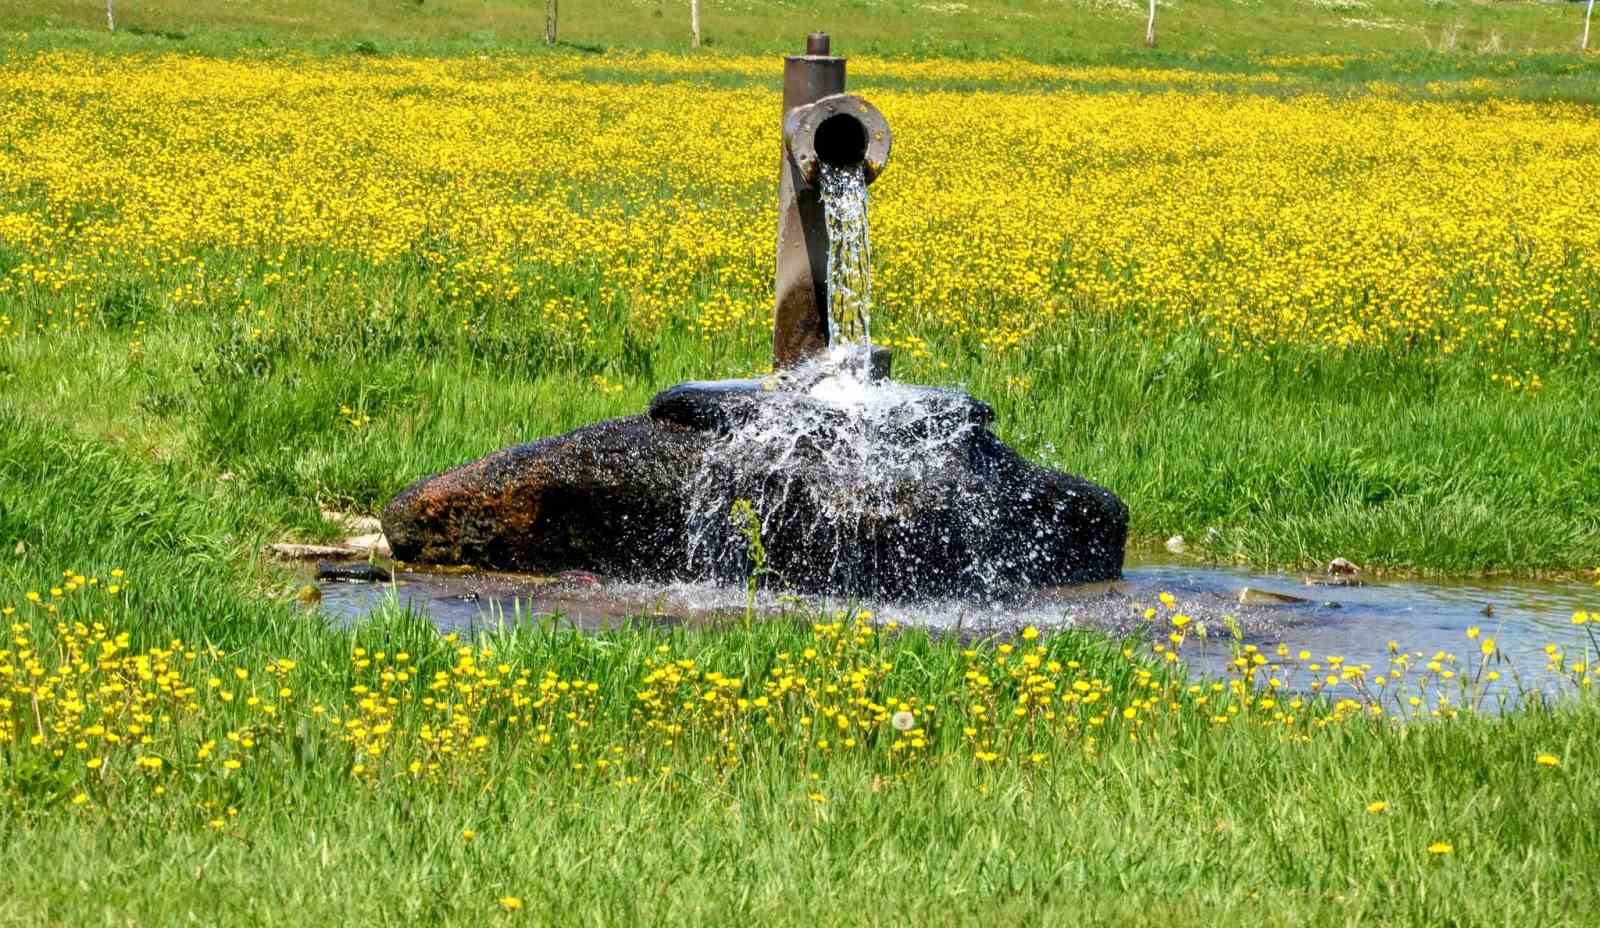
<point>821,125</point>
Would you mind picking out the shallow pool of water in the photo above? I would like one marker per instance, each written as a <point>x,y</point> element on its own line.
<point>1353,622</point>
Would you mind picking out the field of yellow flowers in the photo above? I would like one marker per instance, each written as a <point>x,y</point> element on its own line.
<point>1430,227</point>
<point>1267,314</point>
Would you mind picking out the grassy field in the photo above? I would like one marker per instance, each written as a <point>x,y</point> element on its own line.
<point>1073,30</point>
<point>228,761</point>
<point>1295,285</point>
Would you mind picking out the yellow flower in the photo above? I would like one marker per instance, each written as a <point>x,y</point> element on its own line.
<point>467,834</point>
<point>1547,760</point>
<point>1378,806</point>
<point>1168,600</point>
<point>1030,633</point>
<point>1440,847</point>
<point>510,903</point>
<point>1473,631</point>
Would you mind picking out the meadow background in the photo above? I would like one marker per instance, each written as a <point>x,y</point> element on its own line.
<point>1306,280</point>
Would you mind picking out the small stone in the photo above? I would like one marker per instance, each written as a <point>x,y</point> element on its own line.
<point>1339,567</point>
<point>296,552</point>
<point>352,573</point>
<point>1254,597</point>
<point>1177,545</point>
<point>374,543</point>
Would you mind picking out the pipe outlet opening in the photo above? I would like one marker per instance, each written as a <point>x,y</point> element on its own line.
<point>841,141</point>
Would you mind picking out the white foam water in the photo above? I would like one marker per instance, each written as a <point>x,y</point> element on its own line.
<point>831,465</point>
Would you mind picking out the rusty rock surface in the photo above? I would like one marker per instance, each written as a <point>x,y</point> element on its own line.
<point>607,497</point>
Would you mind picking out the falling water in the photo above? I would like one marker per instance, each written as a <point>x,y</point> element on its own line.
<point>844,198</point>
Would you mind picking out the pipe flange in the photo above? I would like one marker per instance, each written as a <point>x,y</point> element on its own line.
<point>841,129</point>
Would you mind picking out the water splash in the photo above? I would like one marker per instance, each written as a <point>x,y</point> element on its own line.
<point>844,470</point>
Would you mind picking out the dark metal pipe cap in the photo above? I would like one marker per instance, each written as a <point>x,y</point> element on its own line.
<point>817,43</point>
<point>841,130</point>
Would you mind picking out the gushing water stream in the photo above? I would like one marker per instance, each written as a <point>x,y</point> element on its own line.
<point>844,198</point>
<point>832,457</point>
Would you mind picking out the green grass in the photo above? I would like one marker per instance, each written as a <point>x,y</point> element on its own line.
<point>1199,826</point>
<point>1183,835</point>
<point>1190,30</point>
<point>1288,462</point>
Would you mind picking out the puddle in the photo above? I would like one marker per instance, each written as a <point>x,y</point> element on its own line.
<point>1354,622</point>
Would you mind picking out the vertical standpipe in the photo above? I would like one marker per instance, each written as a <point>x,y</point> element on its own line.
<point>821,125</point>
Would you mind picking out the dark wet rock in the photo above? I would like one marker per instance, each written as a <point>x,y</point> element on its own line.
<point>705,405</point>
<point>352,573</point>
<point>607,497</point>
<point>618,498</point>
<point>719,405</point>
